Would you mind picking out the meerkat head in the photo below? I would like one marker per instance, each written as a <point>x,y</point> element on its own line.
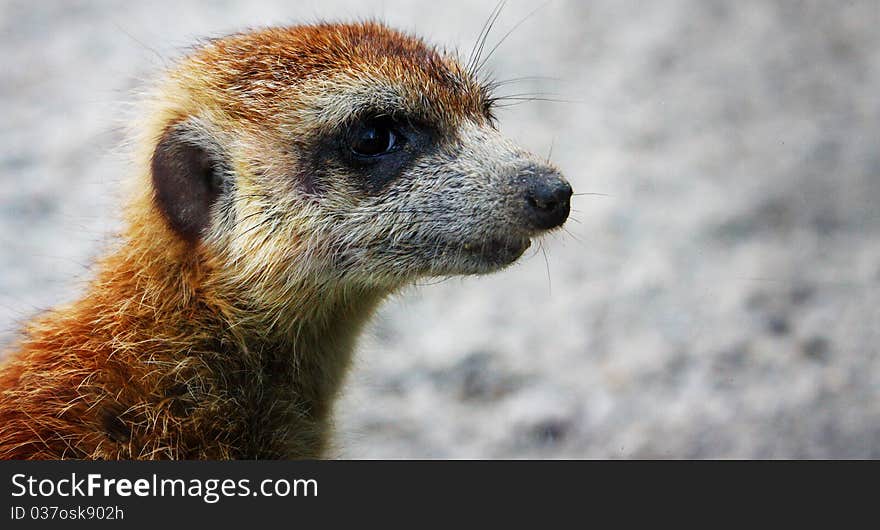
<point>349,153</point>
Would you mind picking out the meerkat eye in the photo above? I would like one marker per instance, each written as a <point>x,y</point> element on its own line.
<point>375,137</point>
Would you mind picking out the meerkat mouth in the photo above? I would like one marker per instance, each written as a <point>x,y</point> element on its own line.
<point>497,251</point>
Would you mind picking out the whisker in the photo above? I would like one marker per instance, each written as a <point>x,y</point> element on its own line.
<point>512,80</point>
<point>518,103</point>
<point>152,50</point>
<point>484,34</point>
<point>501,41</point>
<point>547,264</point>
<point>479,39</point>
<point>576,238</point>
<point>535,98</point>
<point>550,152</point>
<point>502,97</point>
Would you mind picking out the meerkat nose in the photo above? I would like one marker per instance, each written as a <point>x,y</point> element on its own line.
<point>547,198</point>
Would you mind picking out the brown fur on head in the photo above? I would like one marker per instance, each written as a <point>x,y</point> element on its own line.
<point>292,178</point>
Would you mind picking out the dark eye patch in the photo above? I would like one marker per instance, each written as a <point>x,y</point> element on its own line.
<point>361,150</point>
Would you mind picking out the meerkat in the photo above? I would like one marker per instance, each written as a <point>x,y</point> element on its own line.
<point>288,180</point>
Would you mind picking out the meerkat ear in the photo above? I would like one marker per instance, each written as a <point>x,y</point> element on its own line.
<point>188,177</point>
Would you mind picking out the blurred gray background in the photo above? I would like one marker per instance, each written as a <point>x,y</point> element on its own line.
<point>720,299</point>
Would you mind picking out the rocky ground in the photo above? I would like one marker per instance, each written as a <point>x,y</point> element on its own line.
<point>719,299</point>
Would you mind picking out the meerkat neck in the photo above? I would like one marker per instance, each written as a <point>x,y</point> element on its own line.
<point>211,381</point>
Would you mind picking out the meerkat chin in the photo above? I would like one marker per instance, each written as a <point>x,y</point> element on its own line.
<point>289,180</point>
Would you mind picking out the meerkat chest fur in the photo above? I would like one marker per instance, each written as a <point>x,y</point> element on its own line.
<point>289,180</point>
<point>276,393</point>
